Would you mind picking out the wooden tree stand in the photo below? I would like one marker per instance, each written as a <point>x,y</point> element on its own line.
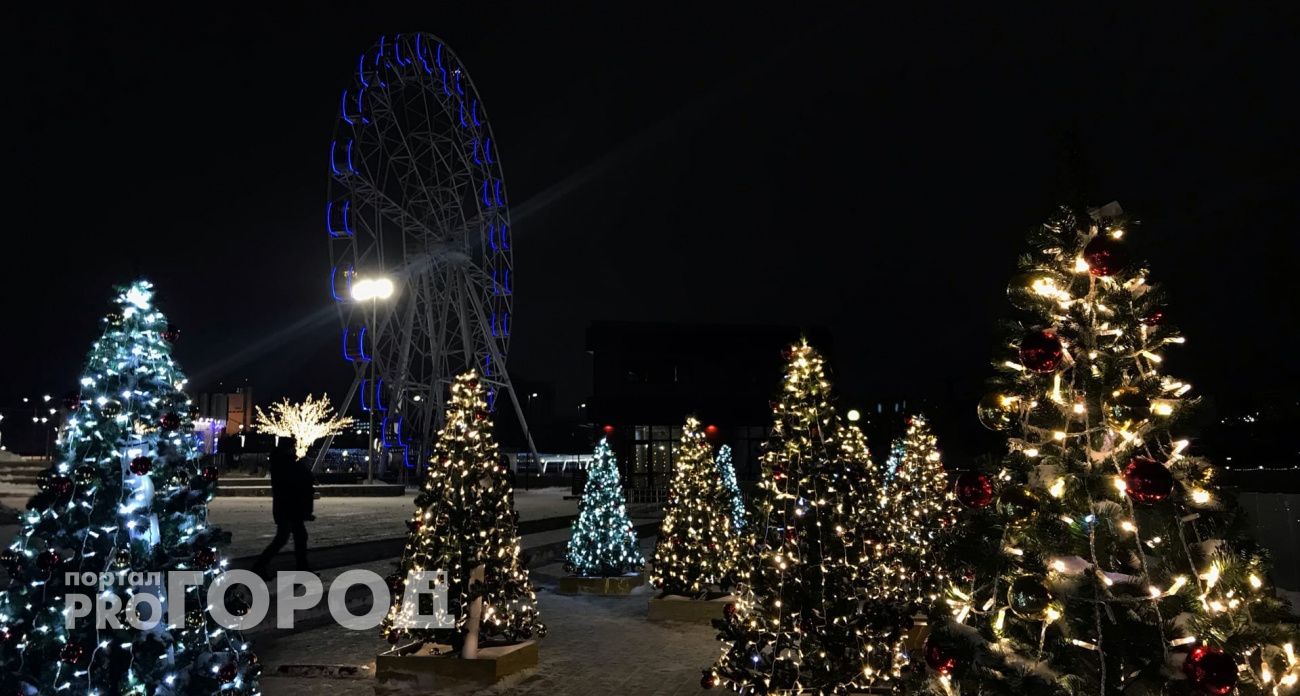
<point>687,610</point>
<point>406,668</point>
<point>617,585</point>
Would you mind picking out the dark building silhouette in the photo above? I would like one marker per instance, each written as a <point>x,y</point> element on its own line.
<point>647,377</point>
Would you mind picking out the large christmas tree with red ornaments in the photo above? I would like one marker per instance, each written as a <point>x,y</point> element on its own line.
<point>1100,557</point>
<point>126,497</point>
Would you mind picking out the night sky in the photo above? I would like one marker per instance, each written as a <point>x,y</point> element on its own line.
<point>873,172</point>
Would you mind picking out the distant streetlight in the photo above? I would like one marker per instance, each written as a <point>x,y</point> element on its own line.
<point>372,290</point>
<point>854,416</point>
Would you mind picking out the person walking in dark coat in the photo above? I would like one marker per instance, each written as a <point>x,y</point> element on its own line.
<point>292,496</point>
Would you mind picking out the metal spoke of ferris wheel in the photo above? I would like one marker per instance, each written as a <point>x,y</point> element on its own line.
<point>417,196</point>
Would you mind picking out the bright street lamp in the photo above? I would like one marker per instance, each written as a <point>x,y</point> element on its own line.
<point>372,290</point>
<point>365,289</point>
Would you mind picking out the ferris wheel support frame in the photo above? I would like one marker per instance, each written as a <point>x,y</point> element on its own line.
<point>502,382</point>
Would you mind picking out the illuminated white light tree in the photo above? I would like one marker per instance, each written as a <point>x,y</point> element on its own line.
<point>305,422</point>
<point>125,498</point>
<point>727,472</point>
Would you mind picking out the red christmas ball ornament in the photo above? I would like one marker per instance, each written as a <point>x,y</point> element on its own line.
<point>974,490</point>
<point>1105,255</point>
<point>608,429</point>
<point>210,473</point>
<point>1154,317</point>
<point>72,402</point>
<point>141,466</point>
<point>228,671</point>
<point>414,525</point>
<point>1040,351</point>
<point>170,421</point>
<point>939,657</point>
<point>171,334</point>
<point>1211,670</point>
<point>72,653</point>
<point>729,610</point>
<point>708,681</point>
<point>205,557</point>
<point>60,486</point>
<point>1147,480</point>
<point>48,560</point>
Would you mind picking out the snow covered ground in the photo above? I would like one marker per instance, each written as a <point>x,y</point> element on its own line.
<point>338,520</point>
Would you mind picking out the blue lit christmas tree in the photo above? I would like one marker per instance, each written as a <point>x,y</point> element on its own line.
<point>125,496</point>
<point>727,472</point>
<point>603,542</point>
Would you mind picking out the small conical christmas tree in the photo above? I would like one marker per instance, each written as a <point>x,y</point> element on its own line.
<point>696,552</point>
<point>465,525</point>
<point>797,625</point>
<point>913,527</point>
<point>1101,559</point>
<point>920,511</point>
<point>855,454</point>
<point>125,498</point>
<point>727,472</point>
<point>604,542</point>
<point>891,463</point>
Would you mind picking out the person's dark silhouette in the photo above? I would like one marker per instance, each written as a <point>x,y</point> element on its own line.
<point>291,505</point>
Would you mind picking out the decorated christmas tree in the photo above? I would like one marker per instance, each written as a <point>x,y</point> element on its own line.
<point>1101,558</point>
<point>871,480</point>
<point>697,548</point>
<point>892,461</point>
<point>913,527</point>
<point>465,526</point>
<point>125,498</point>
<point>797,625</point>
<point>918,518</point>
<point>727,472</point>
<point>603,543</point>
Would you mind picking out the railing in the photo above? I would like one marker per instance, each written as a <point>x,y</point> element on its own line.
<point>647,494</point>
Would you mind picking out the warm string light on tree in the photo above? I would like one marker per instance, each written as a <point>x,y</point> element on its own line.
<point>919,515</point>
<point>465,525</point>
<point>727,472</point>
<point>1101,558</point>
<point>697,548</point>
<point>603,541</point>
<point>305,422</point>
<point>797,625</point>
<point>126,495</point>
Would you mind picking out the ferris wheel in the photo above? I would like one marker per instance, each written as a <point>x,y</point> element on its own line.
<point>419,238</point>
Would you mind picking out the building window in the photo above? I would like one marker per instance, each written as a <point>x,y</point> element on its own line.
<point>654,449</point>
